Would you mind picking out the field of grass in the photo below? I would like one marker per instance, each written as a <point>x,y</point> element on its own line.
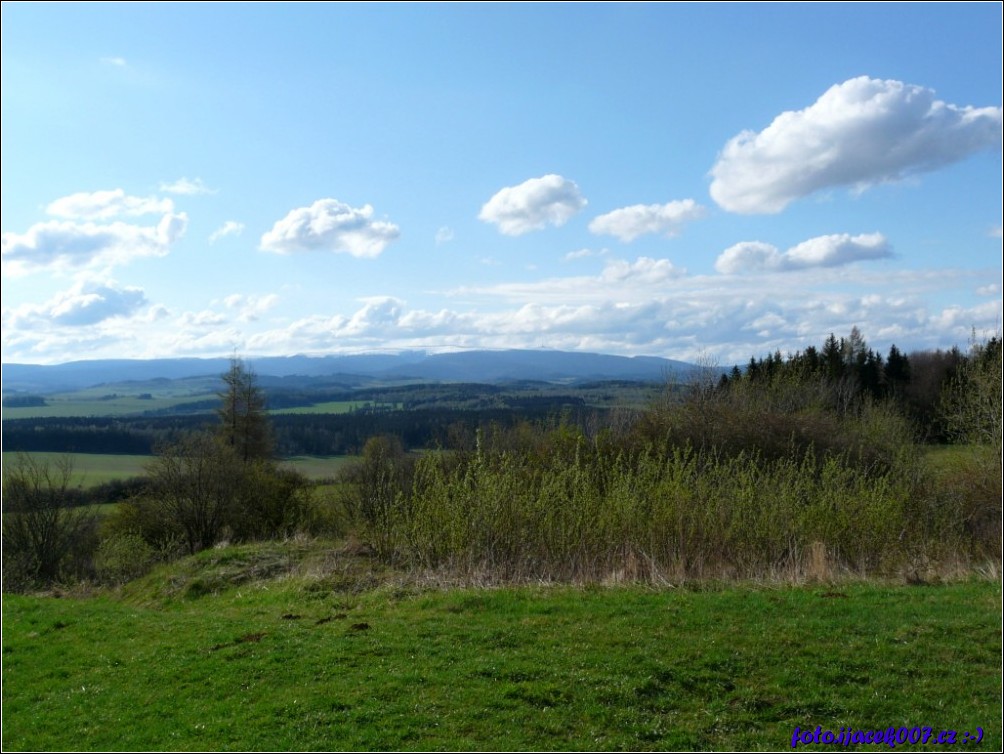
<point>96,403</point>
<point>299,646</point>
<point>91,469</point>
<point>336,407</point>
<point>314,467</point>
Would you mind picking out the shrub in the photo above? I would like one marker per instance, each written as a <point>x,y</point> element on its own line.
<point>123,557</point>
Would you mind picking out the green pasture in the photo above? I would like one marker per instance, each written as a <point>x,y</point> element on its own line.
<point>300,647</point>
<point>337,407</point>
<point>91,469</point>
<point>78,404</point>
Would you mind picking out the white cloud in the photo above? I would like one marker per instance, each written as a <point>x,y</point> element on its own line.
<point>116,61</point>
<point>822,251</point>
<point>202,319</point>
<point>328,224</point>
<point>620,280</point>
<point>86,303</point>
<point>104,205</point>
<point>250,308</point>
<point>643,270</point>
<point>58,245</point>
<point>444,235</point>
<point>583,254</point>
<point>533,205</point>
<point>859,133</point>
<point>229,228</point>
<point>628,223</point>
<point>187,187</point>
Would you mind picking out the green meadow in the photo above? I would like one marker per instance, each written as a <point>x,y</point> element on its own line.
<point>118,400</point>
<point>336,407</point>
<point>91,469</point>
<point>302,646</point>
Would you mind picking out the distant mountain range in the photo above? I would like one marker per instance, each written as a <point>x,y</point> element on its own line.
<point>464,366</point>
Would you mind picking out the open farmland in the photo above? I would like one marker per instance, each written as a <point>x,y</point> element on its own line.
<point>91,469</point>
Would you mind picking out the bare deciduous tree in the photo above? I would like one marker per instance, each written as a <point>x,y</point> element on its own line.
<point>40,528</point>
<point>197,483</point>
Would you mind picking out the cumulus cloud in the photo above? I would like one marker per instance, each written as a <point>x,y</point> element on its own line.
<point>58,245</point>
<point>823,251</point>
<point>444,235</point>
<point>86,303</point>
<point>90,303</point>
<point>533,205</point>
<point>104,205</point>
<point>628,223</point>
<point>187,187</point>
<point>859,133</point>
<point>330,225</point>
<point>229,228</point>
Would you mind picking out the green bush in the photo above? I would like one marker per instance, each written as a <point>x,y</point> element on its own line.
<point>123,557</point>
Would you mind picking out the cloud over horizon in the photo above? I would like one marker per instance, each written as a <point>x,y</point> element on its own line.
<point>533,205</point>
<point>858,134</point>
<point>330,225</point>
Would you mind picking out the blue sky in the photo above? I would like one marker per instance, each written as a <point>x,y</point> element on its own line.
<point>701,182</point>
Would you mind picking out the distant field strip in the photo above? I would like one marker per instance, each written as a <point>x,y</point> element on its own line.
<point>62,407</point>
<point>90,469</point>
<point>337,407</point>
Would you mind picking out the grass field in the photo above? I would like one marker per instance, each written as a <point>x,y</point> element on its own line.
<point>82,403</point>
<point>297,646</point>
<point>336,407</point>
<point>90,469</point>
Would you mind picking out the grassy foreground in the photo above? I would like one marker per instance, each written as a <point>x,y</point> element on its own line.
<point>295,647</point>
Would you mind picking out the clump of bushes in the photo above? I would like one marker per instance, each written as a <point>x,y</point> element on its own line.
<point>807,468</point>
<point>200,492</point>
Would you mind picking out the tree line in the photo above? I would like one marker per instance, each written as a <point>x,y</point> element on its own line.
<point>293,434</point>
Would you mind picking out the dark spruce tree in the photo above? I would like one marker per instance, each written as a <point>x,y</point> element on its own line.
<point>244,425</point>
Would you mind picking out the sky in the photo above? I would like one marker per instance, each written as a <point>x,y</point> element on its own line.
<point>705,182</point>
